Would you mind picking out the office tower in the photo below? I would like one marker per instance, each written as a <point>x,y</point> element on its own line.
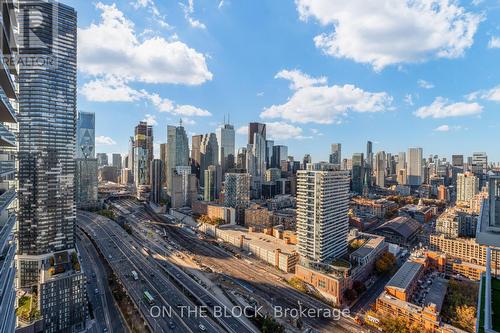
<point>213,182</point>
<point>256,156</point>
<point>184,187</point>
<point>156,195</point>
<point>236,189</point>
<point>163,158</point>
<point>209,154</point>
<point>336,153</point>
<point>196,154</point>
<point>49,272</point>
<point>226,141</point>
<point>322,212</point>
<point>143,154</point>
<point>273,174</point>
<point>280,153</point>
<point>102,159</point>
<point>85,135</point>
<point>380,168</point>
<point>8,152</point>
<point>117,161</point>
<point>126,176</point>
<point>414,166</point>
<point>480,159</point>
<point>177,153</point>
<point>457,160</point>
<point>358,173</point>
<point>269,153</point>
<point>86,163</point>
<point>369,154</point>
<point>467,186</point>
<point>306,160</point>
<point>131,154</point>
<point>256,128</point>
<point>241,161</point>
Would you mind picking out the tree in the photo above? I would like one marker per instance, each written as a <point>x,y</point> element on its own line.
<point>359,287</point>
<point>385,263</point>
<point>350,294</point>
<point>465,318</point>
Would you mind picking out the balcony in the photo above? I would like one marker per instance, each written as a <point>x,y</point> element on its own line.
<point>6,231</point>
<point>6,198</point>
<point>7,112</point>
<point>7,138</point>
<point>7,167</point>
<point>8,85</point>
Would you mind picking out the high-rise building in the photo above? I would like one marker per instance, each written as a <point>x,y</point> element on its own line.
<point>143,154</point>
<point>209,154</point>
<point>156,181</point>
<point>256,128</point>
<point>358,173</point>
<point>177,154</point>
<point>241,160</point>
<point>49,272</point>
<point>467,186</point>
<point>117,161</point>
<point>86,163</point>
<point>369,154</point>
<point>184,187</point>
<point>226,141</point>
<point>8,153</point>
<point>480,159</point>
<point>163,158</point>
<point>269,153</point>
<point>256,156</point>
<point>236,189</point>
<point>414,166</point>
<point>131,154</point>
<point>196,154</point>
<point>280,153</point>
<point>322,212</point>
<point>102,160</point>
<point>306,160</point>
<point>380,168</point>
<point>336,153</point>
<point>457,160</point>
<point>85,135</point>
<point>213,182</point>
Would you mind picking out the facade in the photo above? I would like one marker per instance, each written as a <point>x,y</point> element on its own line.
<point>85,135</point>
<point>414,167</point>
<point>256,157</point>
<point>226,141</point>
<point>46,176</point>
<point>358,173</point>
<point>322,207</point>
<point>184,187</point>
<point>280,153</point>
<point>156,181</point>
<point>457,223</point>
<point>196,154</point>
<point>336,153</point>
<point>117,161</point>
<point>143,154</point>
<point>236,189</point>
<point>8,151</point>
<point>467,186</point>
<point>177,153</point>
<point>380,165</point>
<point>163,158</point>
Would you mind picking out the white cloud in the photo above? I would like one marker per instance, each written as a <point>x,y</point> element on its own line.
<point>188,121</point>
<point>299,80</point>
<point>425,84</point>
<point>442,108</point>
<point>242,130</point>
<point>383,33</point>
<point>190,111</point>
<point>408,99</point>
<point>112,48</point>
<point>104,141</point>
<point>189,11</point>
<point>325,104</point>
<point>110,89</point>
<point>447,128</point>
<point>278,131</point>
<point>492,94</point>
<point>150,119</point>
<point>260,94</point>
<point>494,43</point>
<point>221,4</point>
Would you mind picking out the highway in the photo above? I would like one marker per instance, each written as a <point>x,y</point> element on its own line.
<point>106,313</point>
<point>268,285</point>
<point>124,255</point>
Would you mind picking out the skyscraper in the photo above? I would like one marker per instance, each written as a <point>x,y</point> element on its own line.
<point>177,153</point>
<point>236,189</point>
<point>196,154</point>
<point>336,153</point>
<point>256,156</point>
<point>269,153</point>
<point>322,212</point>
<point>414,166</point>
<point>209,154</point>
<point>467,186</point>
<point>48,268</point>
<point>457,160</point>
<point>226,141</point>
<point>280,153</point>
<point>156,181</point>
<point>117,161</point>
<point>102,160</point>
<point>8,151</point>
<point>358,173</point>
<point>143,154</point>
<point>256,128</point>
<point>380,168</point>
<point>213,181</point>
<point>86,163</point>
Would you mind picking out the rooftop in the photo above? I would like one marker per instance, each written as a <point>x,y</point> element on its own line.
<point>371,244</point>
<point>405,275</point>
<point>437,293</point>
<point>402,225</point>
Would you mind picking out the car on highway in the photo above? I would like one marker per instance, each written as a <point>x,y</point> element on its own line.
<point>171,325</point>
<point>96,291</point>
<point>202,328</point>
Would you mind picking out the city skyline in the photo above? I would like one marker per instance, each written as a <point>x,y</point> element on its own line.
<point>439,109</point>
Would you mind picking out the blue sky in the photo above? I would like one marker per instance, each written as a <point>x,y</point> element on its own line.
<point>422,73</point>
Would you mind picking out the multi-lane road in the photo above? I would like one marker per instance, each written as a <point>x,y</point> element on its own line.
<point>125,253</point>
<point>264,281</point>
